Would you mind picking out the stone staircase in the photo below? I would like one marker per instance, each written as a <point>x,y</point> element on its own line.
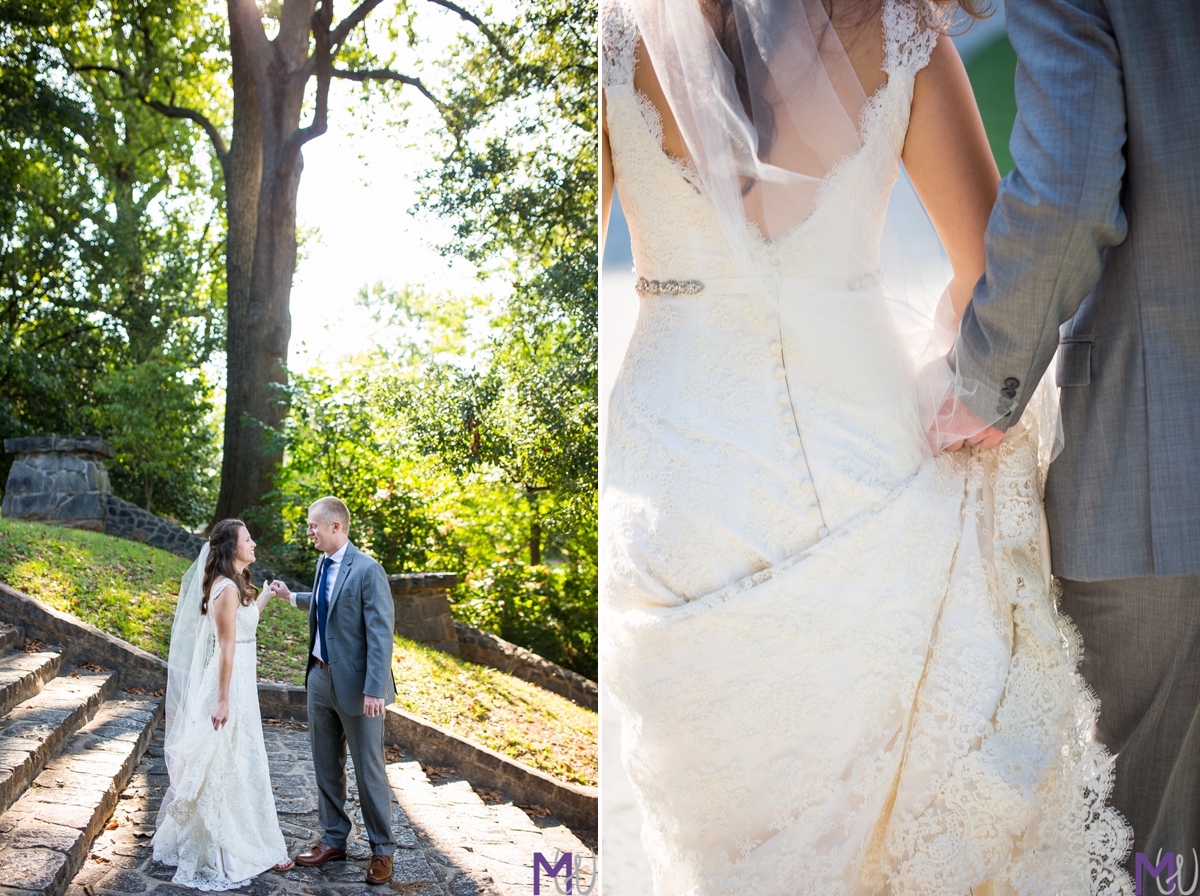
<point>69,741</point>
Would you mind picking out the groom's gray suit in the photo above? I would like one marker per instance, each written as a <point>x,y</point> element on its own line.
<point>358,637</point>
<point>1098,230</point>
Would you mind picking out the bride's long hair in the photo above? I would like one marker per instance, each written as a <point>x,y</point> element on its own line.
<point>222,551</point>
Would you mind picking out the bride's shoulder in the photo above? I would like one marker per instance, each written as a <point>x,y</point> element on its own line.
<point>219,586</point>
<point>618,40</point>
<point>911,29</point>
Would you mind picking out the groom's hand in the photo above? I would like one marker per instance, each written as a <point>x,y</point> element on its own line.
<point>280,590</point>
<point>957,425</point>
<point>372,706</point>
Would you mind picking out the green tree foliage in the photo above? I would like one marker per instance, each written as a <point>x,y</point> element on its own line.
<point>336,442</point>
<point>158,415</point>
<point>109,246</point>
<point>343,437</point>
<point>517,180</point>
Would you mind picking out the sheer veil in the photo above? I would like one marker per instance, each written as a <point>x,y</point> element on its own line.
<point>765,98</point>
<point>772,114</point>
<point>192,645</point>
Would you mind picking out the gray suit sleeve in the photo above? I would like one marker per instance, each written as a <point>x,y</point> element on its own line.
<point>1057,211</point>
<point>379,623</point>
<point>303,599</point>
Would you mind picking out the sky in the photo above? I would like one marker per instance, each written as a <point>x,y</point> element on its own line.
<point>354,205</point>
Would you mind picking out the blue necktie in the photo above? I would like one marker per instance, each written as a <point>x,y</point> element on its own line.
<point>323,607</point>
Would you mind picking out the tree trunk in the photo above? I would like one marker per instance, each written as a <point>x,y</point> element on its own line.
<point>535,527</point>
<point>262,178</point>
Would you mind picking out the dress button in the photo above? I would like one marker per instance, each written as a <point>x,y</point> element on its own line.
<point>781,400</point>
<point>823,532</point>
<point>776,348</point>
<point>780,373</point>
<point>785,417</point>
<point>794,441</point>
<point>798,462</point>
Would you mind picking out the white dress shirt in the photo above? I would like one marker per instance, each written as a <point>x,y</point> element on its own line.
<point>331,574</point>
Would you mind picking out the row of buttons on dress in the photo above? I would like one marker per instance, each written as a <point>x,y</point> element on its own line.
<point>787,418</point>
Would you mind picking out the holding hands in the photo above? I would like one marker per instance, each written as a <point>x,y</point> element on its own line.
<point>957,425</point>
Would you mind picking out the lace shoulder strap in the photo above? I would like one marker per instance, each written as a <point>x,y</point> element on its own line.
<point>910,32</point>
<point>618,43</point>
<point>218,585</point>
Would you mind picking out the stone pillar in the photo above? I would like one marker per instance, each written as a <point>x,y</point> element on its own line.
<point>423,608</point>
<point>56,480</point>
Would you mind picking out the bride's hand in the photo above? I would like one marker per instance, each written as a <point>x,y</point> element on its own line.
<point>957,425</point>
<point>220,714</point>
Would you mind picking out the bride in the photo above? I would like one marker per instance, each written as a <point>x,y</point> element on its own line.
<point>217,822</point>
<point>834,647</point>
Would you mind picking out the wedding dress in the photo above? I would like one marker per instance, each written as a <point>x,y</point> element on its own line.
<point>217,822</point>
<point>837,658</point>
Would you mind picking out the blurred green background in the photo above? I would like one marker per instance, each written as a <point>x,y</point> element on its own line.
<point>991,71</point>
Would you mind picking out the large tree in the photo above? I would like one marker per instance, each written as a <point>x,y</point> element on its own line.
<point>277,54</point>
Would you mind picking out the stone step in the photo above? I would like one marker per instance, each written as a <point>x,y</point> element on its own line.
<point>495,839</point>
<point>23,675</point>
<point>10,636</point>
<point>47,833</point>
<point>35,729</point>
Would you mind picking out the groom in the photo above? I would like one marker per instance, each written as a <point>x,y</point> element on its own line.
<point>349,681</point>
<point>1098,230</point>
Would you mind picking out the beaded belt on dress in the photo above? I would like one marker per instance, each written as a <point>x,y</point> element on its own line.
<point>246,640</point>
<point>739,286</point>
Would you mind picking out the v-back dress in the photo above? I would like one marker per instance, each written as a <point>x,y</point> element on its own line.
<point>220,826</point>
<point>837,659</point>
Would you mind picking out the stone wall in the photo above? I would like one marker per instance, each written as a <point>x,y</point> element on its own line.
<point>488,650</point>
<point>423,608</point>
<point>81,641</point>
<point>133,523</point>
<point>61,481</point>
<point>128,521</point>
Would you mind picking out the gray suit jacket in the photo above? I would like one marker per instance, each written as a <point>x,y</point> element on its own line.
<point>1098,230</point>
<point>358,631</point>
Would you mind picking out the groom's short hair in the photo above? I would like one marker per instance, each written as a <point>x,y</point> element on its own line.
<point>331,510</point>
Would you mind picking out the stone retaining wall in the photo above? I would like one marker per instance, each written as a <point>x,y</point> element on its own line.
<point>133,523</point>
<point>80,641</point>
<point>423,608</point>
<point>487,649</point>
<point>57,480</point>
<point>128,521</point>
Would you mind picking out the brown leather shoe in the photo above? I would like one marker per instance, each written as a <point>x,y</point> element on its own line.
<point>380,871</point>
<point>319,855</point>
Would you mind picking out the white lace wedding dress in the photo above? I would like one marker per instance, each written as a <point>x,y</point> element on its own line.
<point>838,661</point>
<point>218,821</point>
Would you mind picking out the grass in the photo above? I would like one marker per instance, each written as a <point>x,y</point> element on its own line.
<point>992,72</point>
<point>130,590</point>
<point>511,716</point>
